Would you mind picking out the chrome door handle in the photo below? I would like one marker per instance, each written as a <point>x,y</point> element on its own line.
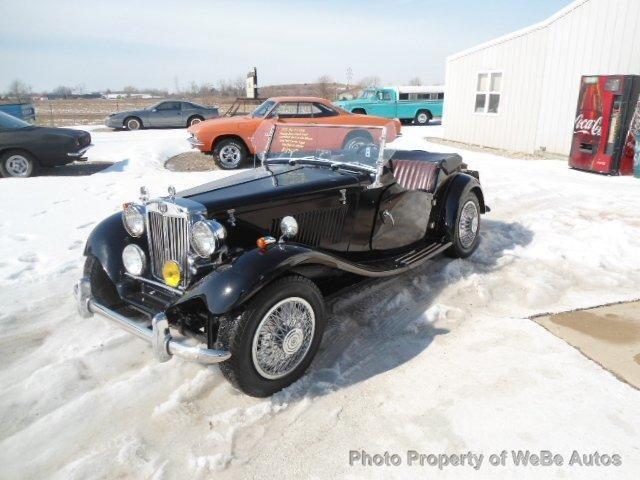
<point>387,214</point>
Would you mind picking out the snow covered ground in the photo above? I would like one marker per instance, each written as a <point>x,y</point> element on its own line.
<point>441,360</point>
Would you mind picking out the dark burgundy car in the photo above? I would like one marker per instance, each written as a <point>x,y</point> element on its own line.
<point>242,265</point>
<point>24,148</point>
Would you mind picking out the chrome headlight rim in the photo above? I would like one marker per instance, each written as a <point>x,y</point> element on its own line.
<point>133,251</point>
<point>129,211</point>
<point>289,227</point>
<point>211,231</point>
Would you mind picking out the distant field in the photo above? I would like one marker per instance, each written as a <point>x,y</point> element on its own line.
<point>60,113</point>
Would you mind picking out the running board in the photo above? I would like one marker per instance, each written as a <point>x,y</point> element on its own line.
<point>394,266</point>
<point>417,255</point>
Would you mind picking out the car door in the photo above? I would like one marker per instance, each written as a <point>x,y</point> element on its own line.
<point>166,114</point>
<point>187,109</point>
<point>402,216</point>
<point>383,104</point>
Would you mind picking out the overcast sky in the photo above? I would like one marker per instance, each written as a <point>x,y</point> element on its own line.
<point>110,44</point>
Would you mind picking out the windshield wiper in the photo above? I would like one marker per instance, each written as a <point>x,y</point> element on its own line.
<point>325,161</point>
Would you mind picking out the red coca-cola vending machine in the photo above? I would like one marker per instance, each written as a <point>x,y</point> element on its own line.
<point>607,119</point>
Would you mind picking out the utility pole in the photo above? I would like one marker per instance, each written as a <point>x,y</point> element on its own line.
<point>349,76</point>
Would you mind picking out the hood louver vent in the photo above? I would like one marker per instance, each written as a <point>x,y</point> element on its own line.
<point>317,227</point>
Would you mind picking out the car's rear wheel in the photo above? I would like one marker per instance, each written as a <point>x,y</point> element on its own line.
<point>133,123</point>
<point>17,164</point>
<point>467,230</point>
<point>422,117</point>
<point>229,154</point>
<point>356,140</point>
<point>274,340</point>
<point>194,121</point>
<point>359,111</point>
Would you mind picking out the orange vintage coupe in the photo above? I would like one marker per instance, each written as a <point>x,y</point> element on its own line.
<point>231,139</point>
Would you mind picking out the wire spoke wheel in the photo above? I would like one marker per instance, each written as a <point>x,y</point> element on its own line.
<point>283,338</point>
<point>469,222</point>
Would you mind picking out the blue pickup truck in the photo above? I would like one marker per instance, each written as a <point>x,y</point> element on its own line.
<point>23,111</point>
<point>409,104</point>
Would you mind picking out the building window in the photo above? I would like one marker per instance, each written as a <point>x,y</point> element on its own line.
<point>488,89</point>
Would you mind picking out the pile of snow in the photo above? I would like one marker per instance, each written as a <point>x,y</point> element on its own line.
<point>440,360</point>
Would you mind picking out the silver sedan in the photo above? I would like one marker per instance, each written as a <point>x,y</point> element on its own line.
<point>168,113</point>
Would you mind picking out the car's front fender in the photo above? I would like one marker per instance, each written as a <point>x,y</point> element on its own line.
<point>231,285</point>
<point>106,242</point>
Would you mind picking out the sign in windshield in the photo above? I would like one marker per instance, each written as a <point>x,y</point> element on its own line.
<point>358,146</point>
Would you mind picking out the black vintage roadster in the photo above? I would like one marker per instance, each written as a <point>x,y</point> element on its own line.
<point>234,271</point>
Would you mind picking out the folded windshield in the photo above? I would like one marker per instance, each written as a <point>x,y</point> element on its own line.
<point>355,146</point>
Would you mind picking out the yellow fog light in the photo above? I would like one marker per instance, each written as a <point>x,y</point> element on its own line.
<point>171,273</point>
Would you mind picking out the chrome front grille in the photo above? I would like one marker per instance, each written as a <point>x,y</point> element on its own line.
<point>168,235</point>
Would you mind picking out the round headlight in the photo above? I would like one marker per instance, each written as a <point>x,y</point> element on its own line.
<point>134,259</point>
<point>133,219</point>
<point>289,227</point>
<point>206,236</point>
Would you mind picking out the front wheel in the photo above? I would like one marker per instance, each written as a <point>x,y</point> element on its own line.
<point>274,340</point>
<point>133,123</point>
<point>467,230</point>
<point>17,164</point>
<point>229,154</point>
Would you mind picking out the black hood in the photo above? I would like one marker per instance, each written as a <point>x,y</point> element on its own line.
<point>69,136</point>
<point>258,186</point>
<point>69,132</point>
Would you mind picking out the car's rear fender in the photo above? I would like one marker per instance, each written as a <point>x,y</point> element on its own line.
<point>448,197</point>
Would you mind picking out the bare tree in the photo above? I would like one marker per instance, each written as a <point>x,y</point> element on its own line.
<point>415,81</point>
<point>373,81</point>
<point>231,88</point>
<point>326,88</point>
<point>240,85</point>
<point>19,89</point>
<point>129,90</point>
<point>63,91</point>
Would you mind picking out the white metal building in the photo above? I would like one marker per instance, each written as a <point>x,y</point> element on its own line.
<point>519,92</point>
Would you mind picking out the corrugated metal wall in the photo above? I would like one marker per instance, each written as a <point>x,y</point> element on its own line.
<point>541,69</point>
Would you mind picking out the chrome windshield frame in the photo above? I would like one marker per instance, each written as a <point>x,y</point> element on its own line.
<point>376,170</point>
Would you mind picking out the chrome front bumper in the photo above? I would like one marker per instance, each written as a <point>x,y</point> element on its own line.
<point>194,141</point>
<point>164,346</point>
<point>80,153</point>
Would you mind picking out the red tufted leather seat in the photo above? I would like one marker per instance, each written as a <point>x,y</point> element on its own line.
<point>416,174</point>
